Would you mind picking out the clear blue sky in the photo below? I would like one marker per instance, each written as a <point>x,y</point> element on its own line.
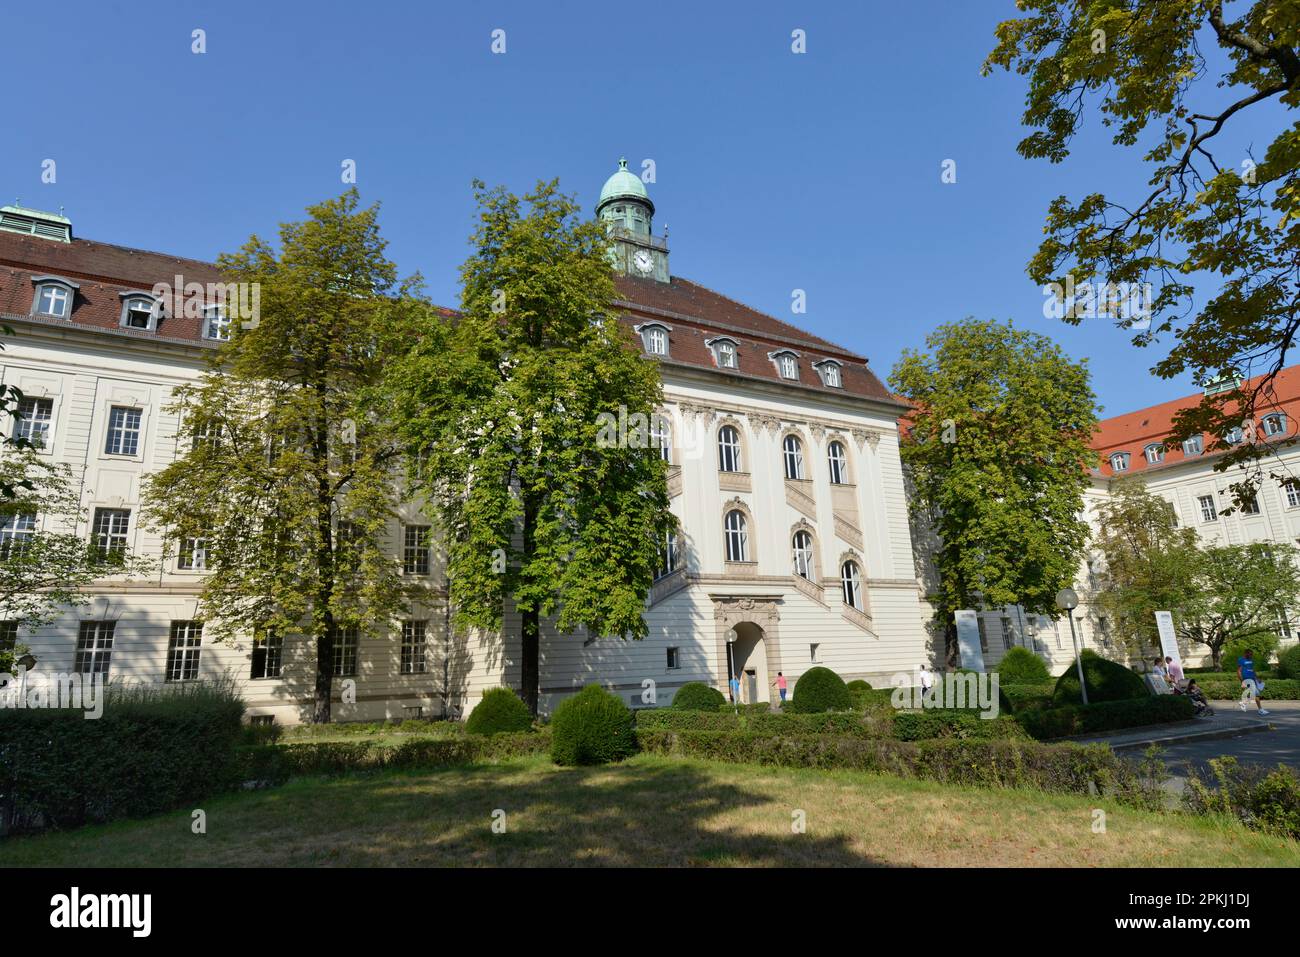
<point>776,171</point>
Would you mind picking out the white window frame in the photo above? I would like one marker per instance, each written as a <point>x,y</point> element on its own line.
<point>804,554</point>
<point>792,457</point>
<point>736,536</point>
<point>851,584</point>
<point>730,451</point>
<point>837,459</point>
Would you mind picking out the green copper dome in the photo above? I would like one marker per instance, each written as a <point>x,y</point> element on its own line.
<point>623,185</point>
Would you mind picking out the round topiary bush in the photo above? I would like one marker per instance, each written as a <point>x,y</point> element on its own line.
<point>592,727</point>
<point>1107,681</point>
<point>697,696</point>
<point>500,710</point>
<point>1288,663</point>
<point>1263,645</point>
<point>818,690</point>
<point>1020,666</point>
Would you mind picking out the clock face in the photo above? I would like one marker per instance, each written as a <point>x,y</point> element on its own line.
<point>643,261</point>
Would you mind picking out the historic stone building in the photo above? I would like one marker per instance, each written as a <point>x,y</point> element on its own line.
<point>794,546</point>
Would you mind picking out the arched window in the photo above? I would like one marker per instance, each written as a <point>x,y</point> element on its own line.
<point>737,536</point>
<point>793,450</point>
<point>839,463</point>
<point>851,581</point>
<point>728,449</point>
<point>803,555</point>
<point>661,437</point>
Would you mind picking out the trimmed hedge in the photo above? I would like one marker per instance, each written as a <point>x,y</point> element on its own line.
<point>697,696</point>
<point>846,723</point>
<point>1065,769</point>
<point>148,752</point>
<point>1288,663</point>
<point>965,725</point>
<point>1225,687</point>
<point>592,727</point>
<point>818,690</point>
<point>273,764</point>
<point>1107,681</point>
<point>501,711</point>
<point>1106,716</point>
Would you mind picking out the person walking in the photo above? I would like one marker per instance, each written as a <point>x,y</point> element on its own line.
<point>781,685</point>
<point>1251,686</point>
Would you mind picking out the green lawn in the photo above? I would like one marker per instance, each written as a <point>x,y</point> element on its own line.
<point>650,811</point>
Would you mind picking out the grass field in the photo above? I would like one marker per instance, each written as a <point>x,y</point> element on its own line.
<point>650,811</point>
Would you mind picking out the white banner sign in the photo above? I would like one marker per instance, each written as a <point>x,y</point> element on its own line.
<point>968,640</point>
<point>1168,639</point>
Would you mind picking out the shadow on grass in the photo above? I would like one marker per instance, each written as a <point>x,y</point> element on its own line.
<point>636,814</point>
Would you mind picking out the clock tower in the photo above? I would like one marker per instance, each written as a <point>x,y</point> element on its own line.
<point>625,209</point>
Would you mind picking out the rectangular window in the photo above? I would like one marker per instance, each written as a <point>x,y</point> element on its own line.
<point>674,659</point>
<point>183,650</point>
<point>94,647</point>
<point>193,555</point>
<point>415,550</point>
<point>1208,511</point>
<point>110,530</point>
<point>123,431</point>
<point>345,652</point>
<point>414,659</point>
<point>267,654</point>
<point>34,422</point>
<point>15,532</point>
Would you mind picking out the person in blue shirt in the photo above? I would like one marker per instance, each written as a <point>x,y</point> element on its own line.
<point>1250,684</point>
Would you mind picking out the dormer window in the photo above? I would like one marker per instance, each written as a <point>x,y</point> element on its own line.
<point>829,370</point>
<point>53,297</point>
<point>1119,462</point>
<point>1274,424</point>
<point>140,311</point>
<point>787,363</point>
<point>724,352</point>
<point>216,323</point>
<point>1155,453</point>
<point>654,337</point>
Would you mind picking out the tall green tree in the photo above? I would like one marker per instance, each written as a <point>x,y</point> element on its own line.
<point>998,456</point>
<point>508,406</point>
<point>46,560</point>
<point>287,478</point>
<point>1150,564</point>
<point>1242,591</point>
<point>1178,78</point>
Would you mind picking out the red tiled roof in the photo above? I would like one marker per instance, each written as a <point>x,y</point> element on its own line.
<point>1132,432</point>
<point>694,313</point>
<point>697,314</point>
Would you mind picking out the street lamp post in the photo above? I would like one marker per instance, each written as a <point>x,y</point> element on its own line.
<point>1068,600</point>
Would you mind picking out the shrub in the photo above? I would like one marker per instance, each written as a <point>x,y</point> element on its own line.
<point>966,725</point>
<point>1022,666</point>
<point>1105,716</point>
<point>500,711</point>
<point>592,727</point>
<point>1288,663</point>
<point>150,751</point>
<point>1263,645</point>
<point>818,690</point>
<point>697,696</point>
<point>1107,681</point>
<point>1267,800</point>
<point>1069,769</point>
